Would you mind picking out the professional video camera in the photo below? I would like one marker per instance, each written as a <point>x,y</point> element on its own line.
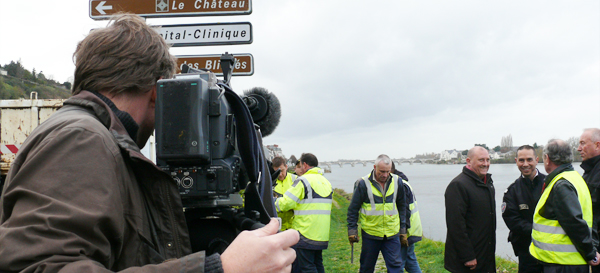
<point>209,139</point>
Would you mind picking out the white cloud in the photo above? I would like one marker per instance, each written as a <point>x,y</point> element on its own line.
<point>359,78</point>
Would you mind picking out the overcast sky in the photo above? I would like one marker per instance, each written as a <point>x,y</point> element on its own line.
<point>359,78</point>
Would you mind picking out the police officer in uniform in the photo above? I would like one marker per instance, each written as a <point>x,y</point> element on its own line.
<point>520,199</point>
<point>562,220</point>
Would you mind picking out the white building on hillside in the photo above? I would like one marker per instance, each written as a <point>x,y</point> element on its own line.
<point>494,154</point>
<point>272,151</point>
<point>450,154</point>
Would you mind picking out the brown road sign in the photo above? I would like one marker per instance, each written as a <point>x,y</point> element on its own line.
<point>244,63</point>
<point>103,9</point>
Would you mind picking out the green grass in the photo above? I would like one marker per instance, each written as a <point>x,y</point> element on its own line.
<point>336,258</point>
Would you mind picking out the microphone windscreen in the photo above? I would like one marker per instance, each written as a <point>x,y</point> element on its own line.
<point>269,121</point>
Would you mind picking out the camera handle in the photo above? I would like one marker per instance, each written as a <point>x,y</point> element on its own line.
<point>227,65</point>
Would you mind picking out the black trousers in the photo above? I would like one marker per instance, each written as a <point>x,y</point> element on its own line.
<point>308,261</point>
<point>529,264</point>
<point>556,268</point>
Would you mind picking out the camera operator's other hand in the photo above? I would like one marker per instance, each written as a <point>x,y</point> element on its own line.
<point>261,250</point>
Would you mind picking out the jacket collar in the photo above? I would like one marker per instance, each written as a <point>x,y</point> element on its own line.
<point>471,174</point>
<point>109,119</point>
<point>372,178</point>
<point>588,165</point>
<point>130,125</point>
<point>374,182</point>
<point>314,170</point>
<point>562,168</point>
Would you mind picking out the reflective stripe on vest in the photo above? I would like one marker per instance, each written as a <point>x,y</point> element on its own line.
<point>310,199</point>
<point>380,219</point>
<point>415,218</point>
<point>549,242</point>
<point>312,214</point>
<point>373,210</point>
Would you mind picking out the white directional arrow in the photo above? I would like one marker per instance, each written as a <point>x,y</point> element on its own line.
<point>101,7</point>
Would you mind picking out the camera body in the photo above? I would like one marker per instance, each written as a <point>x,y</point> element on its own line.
<point>196,140</point>
<point>209,139</point>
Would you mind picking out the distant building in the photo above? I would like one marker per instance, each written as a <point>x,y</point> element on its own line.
<point>272,151</point>
<point>509,154</point>
<point>494,155</point>
<point>3,72</point>
<point>448,155</point>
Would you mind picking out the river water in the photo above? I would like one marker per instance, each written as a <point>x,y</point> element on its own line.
<point>429,183</point>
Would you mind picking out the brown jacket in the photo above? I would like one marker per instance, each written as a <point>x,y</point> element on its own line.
<point>80,197</point>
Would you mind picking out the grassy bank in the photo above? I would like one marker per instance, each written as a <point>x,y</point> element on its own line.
<point>337,257</point>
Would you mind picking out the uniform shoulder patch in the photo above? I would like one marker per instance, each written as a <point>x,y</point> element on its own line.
<point>503,206</point>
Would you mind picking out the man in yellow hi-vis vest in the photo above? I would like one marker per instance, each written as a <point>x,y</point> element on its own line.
<point>378,203</point>
<point>562,220</point>
<point>310,197</point>
<point>414,230</point>
<point>283,183</point>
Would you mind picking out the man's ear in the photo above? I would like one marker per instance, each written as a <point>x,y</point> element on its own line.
<point>153,95</point>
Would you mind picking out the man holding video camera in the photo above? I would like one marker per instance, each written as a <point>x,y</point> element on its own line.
<point>80,197</point>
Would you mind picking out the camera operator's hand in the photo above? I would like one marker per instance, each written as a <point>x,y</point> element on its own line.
<point>261,250</point>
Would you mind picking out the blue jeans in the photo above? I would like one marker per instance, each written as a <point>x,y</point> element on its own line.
<point>409,259</point>
<point>390,250</point>
<point>308,260</point>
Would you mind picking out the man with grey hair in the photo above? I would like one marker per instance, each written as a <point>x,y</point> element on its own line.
<point>379,204</point>
<point>562,220</point>
<point>589,148</point>
<point>471,217</point>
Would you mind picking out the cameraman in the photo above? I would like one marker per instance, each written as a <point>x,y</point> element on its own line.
<point>80,197</point>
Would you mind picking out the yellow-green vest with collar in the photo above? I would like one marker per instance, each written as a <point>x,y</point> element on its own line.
<point>378,217</point>
<point>549,242</point>
<point>311,198</point>
<point>415,218</point>
<point>280,188</point>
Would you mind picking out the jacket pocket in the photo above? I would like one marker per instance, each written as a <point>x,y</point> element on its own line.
<point>148,252</point>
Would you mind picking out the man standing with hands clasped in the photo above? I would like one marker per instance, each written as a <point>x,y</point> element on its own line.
<point>471,217</point>
<point>379,204</point>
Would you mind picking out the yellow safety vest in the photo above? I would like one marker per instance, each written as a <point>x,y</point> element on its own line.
<point>378,217</point>
<point>549,242</point>
<point>311,198</point>
<point>415,219</point>
<point>282,186</point>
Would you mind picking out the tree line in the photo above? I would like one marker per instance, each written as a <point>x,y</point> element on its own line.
<point>19,82</point>
<point>507,150</point>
